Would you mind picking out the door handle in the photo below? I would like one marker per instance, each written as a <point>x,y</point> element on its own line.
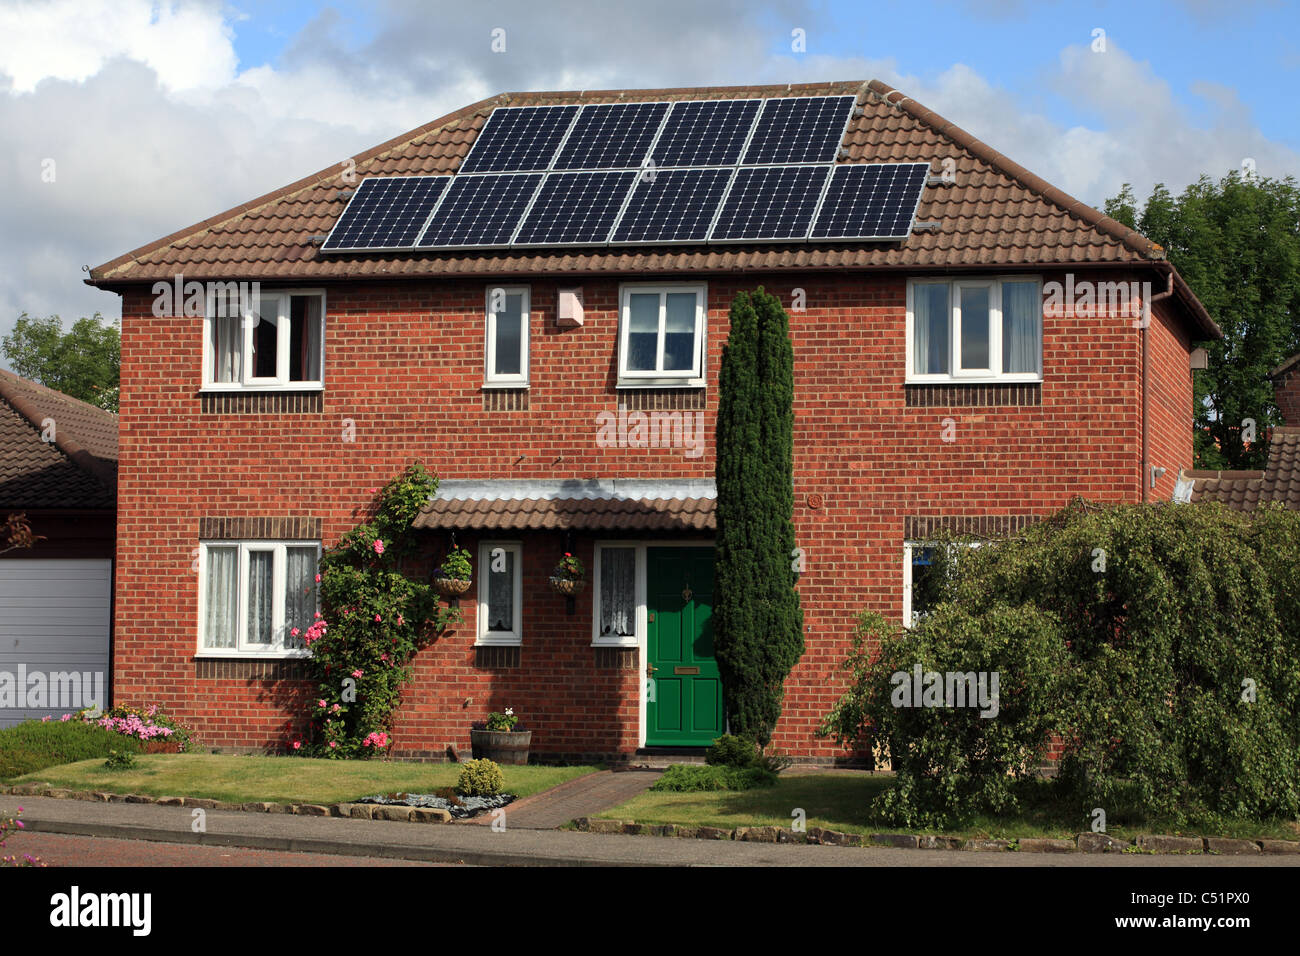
<point>650,669</point>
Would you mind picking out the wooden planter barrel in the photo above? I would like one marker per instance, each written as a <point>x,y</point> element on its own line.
<point>509,747</point>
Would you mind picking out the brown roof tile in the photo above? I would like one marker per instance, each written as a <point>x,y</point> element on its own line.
<point>577,514</point>
<point>996,214</point>
<point>78,469</point>
<point>1247,490</point>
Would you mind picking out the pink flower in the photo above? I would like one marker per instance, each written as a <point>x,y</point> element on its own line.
<point>21,825</point>
<point>294,632</point>
<point>400,621</point>
<point>318,612</point>
<point>374,491</point>
<point>378,618</point>
<point>321,703</point>
<point>379,546</point>
<point>333,745</point>
<point>336,708</point>
<point>45,719</point>
<point>297,745</point>
<point>358,672</point>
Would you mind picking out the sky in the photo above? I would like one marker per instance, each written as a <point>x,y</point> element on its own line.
<point>122,121</point>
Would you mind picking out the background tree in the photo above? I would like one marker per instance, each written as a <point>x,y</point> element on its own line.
<point>757,620</point>
<point>1237,243</point>
<point>84,362</point>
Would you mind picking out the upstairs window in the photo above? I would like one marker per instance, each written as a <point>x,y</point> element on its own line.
<point>661,335</point>
<point>506,349</point>
<point>279,342</point>
<point>975,330</point>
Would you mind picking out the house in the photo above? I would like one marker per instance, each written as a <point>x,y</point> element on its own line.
<point>1279,481</point>
<point>58,465</point>
<point>565,394</point>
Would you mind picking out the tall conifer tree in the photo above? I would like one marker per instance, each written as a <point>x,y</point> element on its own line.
<point>758,623</point>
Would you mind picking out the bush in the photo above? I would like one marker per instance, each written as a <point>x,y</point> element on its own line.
<point>691,778</point>
<point>1159,642</point>
<point>480,778</point>
<point>120,760</point>
<point>35,745</point>
<point>731,751</point>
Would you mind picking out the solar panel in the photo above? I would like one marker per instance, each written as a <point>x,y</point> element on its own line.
<point>677,205</point>
<point>519,138</point>
<point>705,132</point>
<point>481,210</point>
<point>575,208</point>
<point>770,202</point>
<point>386,212</point>
<point>871,201</point>
<point>611,135</point>
<point>799,129</point>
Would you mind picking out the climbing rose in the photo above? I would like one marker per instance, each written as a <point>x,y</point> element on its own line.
<point>318,579</point>
<point>297,744</point>
<point>321,703</point>
<point>379,546</point>
<point>378,618</point>
<point>358,672</point>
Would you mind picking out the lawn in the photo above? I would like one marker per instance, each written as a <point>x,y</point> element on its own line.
<point>842,801</point>
<point>240,779</point>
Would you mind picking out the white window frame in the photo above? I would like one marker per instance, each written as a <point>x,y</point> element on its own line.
<point>281,380</point>
<point>279,628</point>
<point>490,379</point>
<point>636,639</point>
<point>957,373</point>
<point>515,636</point>
<point>908,547</point>
<point>695,377</point>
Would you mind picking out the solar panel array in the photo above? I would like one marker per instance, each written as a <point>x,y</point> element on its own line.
<point>690,171</point>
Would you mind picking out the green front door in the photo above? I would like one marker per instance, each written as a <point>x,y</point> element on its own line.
<point>684,694</point>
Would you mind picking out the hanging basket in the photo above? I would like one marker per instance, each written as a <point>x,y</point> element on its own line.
<point>568,586</point>
<point>450,587</point>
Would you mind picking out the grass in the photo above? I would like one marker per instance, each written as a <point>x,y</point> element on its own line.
<point>34,745</point>
<point>842,801</point>
<point>240,779</point>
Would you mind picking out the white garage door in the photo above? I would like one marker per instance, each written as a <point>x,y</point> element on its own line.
<point>54,621</point>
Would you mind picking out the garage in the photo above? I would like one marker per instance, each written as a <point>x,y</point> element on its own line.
<point>54,637</point>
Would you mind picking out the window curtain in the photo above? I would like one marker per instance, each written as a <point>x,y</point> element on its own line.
<point>227,349</point>
<point>220,598</point>
<point>617,592</point>
<point>1022,327</point>
<point>261,566</point>
<point>304,338</point>
<point>501,596</point>
<point>929,329</point>
<point>508,346</point>
<point>300,593</point>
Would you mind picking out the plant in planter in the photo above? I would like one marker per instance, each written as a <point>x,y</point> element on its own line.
<point>500,738</point>
<point>569,576</point>
<point>452,578</point>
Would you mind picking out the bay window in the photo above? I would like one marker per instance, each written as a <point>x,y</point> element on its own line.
<point>974,330</point>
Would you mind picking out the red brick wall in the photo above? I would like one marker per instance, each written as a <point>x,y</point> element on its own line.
<point>1286,392</point>
<point>404,361</point>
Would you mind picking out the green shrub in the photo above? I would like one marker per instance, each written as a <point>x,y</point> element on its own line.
<point>1158,641</point>
<point>480,778</point>
<point>731,751</point>
<point>691,778</point>
<point>34,745</point>
<point>120,760</point>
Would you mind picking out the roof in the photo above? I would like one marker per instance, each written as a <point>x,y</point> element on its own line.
<point>571,505</point>
<point>1247,490</point>
<point>77,469</point>
<point>995,214</point>
<point>1285,367</point>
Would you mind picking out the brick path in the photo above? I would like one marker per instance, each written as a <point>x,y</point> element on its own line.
<point>583,797</point>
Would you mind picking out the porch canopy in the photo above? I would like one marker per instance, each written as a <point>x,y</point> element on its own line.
<point>595,504</point>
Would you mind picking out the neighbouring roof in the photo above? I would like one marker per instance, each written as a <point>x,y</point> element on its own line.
<point>571,505</point>
<point>77,469</point>
<point>1285,367</point>
<point>1247,490</point>
<point>996,214</point>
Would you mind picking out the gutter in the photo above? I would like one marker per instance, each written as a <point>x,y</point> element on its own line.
<point>1146,380</point>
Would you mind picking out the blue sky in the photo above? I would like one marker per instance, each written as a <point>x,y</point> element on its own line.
<point>162,113</point>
